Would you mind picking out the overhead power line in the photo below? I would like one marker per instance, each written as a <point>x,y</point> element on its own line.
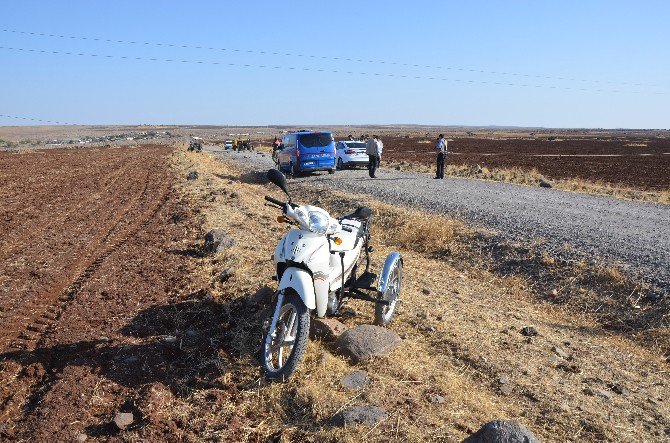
<point>16,117</point>
<point>322,57</point>
<point>334,71</point>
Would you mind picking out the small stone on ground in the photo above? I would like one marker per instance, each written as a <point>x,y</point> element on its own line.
<point>123,420</point>
<point>502,431</point>
<point>355,380</point>
<point>360,415</point>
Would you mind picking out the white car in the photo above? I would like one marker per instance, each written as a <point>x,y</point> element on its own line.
<point>351,153</point>
<point>228,144</point>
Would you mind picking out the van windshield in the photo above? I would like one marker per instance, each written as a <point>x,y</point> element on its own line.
<point>316,140</point>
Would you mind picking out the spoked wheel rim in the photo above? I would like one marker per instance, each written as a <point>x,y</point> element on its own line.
<point>280,342</point>
<point>392,290</point>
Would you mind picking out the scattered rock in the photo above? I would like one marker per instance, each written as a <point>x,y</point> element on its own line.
<point>505,389</point>
<point>360,415</point>
<point>553,293</point>
<point>425,291</point>
<point>81,437</point>
<point>603,393</point>
<point>502,431</point>
<point>436,398</point>
<point>327,329</point>
<point>103,338</point>
<point>170,339</point>
<point>544,183</point>
<point>233,195</point>
<point>619,389</point>
<point>530,340</point>
<point>193,175</point>
<point>424,315</point>
<point>560,352</point>
<point>503,379</point>
<point>365,341</point>
<point>226,274</point>
<point>123,419</point>
<point>529,331</point>
<point>355,380</point>
<point>216,240</point>
<point>569,368</point>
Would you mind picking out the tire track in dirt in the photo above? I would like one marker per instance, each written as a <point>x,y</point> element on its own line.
<point>14,244</point>
<point>39,320</point>
<point>44,300</point>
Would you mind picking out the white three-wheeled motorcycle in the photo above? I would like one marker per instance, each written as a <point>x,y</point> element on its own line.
<point>317,267</point>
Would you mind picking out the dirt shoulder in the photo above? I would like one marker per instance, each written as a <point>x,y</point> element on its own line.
<point>463,341</point>
<point>142,321</point>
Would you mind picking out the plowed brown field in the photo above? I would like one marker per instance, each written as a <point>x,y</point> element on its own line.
<point>630,161</point>
<point>85,244</point>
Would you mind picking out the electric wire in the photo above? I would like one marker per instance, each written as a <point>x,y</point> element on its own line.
<point>322,57</point>
<point>334,71</point>
<point>16,117</point>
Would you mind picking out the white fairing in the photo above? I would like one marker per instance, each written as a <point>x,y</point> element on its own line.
<point>301,282</point>
<point>314,251</point>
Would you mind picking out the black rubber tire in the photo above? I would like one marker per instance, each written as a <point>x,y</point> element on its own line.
<point>331,171</point>
<point>340,165</point>
<point>294,171</point>
<point>300,345</point>
<point>382,314</point>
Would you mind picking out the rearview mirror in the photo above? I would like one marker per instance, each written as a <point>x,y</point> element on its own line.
<point>278,179</point>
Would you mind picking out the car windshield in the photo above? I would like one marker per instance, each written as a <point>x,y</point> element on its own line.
<point>355,145</point>
<point>316,140</point>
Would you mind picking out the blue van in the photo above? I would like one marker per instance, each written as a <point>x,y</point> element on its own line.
<point>307,151</point>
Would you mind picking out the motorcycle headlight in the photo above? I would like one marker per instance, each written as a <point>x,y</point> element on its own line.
<point>318,222</point>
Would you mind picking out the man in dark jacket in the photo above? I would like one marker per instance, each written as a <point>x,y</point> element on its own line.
<point>441,147</point>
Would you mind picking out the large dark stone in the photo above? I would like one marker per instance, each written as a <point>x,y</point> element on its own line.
<point>502,431</point>
<point>365,341</point>
<point>216,240</point>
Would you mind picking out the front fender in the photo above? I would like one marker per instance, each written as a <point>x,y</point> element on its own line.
<point>301,282</point>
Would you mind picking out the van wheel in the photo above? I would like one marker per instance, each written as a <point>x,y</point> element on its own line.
<point>294,171</point>
<point>331,171</point>
<point>340,165</point>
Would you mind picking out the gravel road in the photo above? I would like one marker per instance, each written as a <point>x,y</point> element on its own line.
<point>636,234</point>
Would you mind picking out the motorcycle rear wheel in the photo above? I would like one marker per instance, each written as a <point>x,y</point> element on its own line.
<point>282,355</point>
<point>383,313</point>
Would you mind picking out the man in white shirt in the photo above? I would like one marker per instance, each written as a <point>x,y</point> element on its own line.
<point>441,147</point>
<point>373,149</point>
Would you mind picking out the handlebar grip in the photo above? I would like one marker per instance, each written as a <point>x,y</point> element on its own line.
<point>274,200</point>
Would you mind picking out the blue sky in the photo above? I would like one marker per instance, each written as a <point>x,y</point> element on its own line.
<point>599,46</point>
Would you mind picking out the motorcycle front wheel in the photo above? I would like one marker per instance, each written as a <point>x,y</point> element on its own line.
<point>284,347</point>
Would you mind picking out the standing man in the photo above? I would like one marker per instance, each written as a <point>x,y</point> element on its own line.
<point>373,151</point>
<point>441,148</point>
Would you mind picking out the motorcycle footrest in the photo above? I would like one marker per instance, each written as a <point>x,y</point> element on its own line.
<point>360,296</point>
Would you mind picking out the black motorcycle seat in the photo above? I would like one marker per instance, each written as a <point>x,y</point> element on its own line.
<point>361,213</point>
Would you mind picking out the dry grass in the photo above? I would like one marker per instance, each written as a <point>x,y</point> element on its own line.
<point>461,333</point>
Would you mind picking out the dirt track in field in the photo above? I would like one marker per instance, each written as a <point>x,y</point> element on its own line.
<point>87,243</point>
